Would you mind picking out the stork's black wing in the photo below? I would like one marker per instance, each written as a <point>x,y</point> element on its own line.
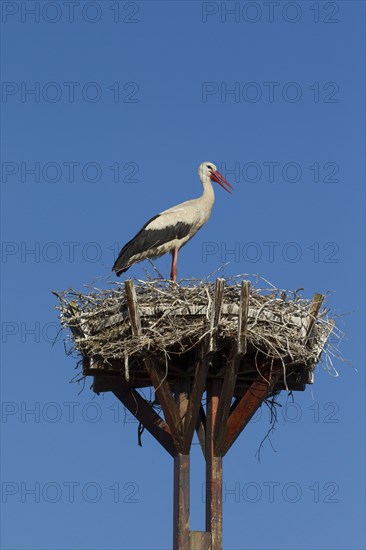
<point>147,240</point>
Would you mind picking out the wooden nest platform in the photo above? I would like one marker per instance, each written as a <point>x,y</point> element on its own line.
<point>119,332</point>
<point>213,353</point>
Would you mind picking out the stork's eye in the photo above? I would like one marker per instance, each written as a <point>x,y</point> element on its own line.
<point>210,167</point>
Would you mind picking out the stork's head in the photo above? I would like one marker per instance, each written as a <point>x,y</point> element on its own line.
<point>208,171</point>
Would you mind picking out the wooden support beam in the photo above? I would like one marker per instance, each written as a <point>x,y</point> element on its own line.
<point>181,539</point>
<point>231,372</point>
<point>246,408</point>
<point>213,469</point>
<point>165,397</point>
<point>182,390</point>
<point>137,405</point>
<point>158,379</point>
<point>194,405</point>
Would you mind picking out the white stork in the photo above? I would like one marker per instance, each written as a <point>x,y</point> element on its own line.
<point>173,228</point>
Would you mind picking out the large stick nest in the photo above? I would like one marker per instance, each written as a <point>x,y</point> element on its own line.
<point>175,319</point>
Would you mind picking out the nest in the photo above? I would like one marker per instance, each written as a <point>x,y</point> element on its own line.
<point>175,320</point>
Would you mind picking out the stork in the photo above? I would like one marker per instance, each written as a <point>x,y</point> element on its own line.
<point>173,228</point>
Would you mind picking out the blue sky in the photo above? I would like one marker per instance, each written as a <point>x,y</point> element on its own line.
<point>128,98</point>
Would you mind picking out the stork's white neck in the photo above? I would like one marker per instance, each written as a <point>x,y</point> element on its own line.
<point>208,192</point>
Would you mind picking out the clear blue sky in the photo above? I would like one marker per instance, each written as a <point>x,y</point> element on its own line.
<point>128,98</point>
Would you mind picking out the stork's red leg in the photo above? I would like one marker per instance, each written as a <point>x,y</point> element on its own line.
<point>173,273</point>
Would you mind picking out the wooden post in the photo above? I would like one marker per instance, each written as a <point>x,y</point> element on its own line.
<point>181,502</point>
<point>214,463</point>
<point>181,536</point>
<point>231,372</point>
<point>213,468</point>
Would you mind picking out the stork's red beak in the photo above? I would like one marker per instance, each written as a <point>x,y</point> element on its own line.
<point>216,176</point>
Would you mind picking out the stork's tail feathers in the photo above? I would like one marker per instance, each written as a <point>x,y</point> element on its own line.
<point>121,264</point>
<point>118,271</point>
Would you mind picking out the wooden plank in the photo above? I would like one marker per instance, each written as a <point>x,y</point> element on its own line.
<point>181,538</point>
<point>200,540</point>
<point>103,384</point>
<point>231,372</point>
<point>243,317</point>
<point>294,386</point>
<point>132,307</point>
<point>216,313</point>
<point>107,380</point>
<point>316,304</point>
<point>213,469</point>
<point>137,405</point>
<point>158,379</point>
<point>246,408</point>
<point>200,378</point>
